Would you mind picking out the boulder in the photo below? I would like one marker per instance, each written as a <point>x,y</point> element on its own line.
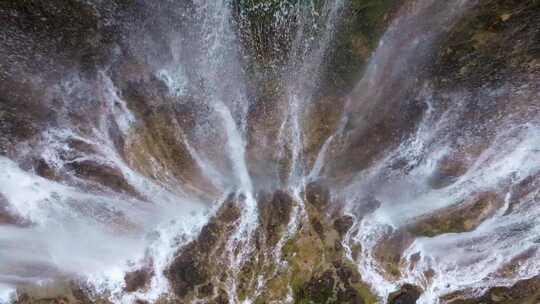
<point>407,294</point>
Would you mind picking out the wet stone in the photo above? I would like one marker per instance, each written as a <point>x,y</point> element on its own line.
<point>343,224</point>
<point>318,290</point>
<point>274,214</point>
<point>196,265</point>
<point>137,280</point>
<point>9,218</point>
<point>448,170</point>
<point>317,194</point>
<point>466,216</point>
<point>102,174</point>
<point>523,292</point>
<point>206,290</point>
<point>390,249</point>
<point>408,294</point>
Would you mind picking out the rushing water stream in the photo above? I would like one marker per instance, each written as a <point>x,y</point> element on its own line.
<point>132,163</point>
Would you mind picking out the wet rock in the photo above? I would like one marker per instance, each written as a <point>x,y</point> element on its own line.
<point>317,194</point>
<point>339,284</point>
<point>319,272</point>
<point>206,290</point>
<point>487,48</point>
<point>367,139</point>
<point>521,190</point>
<point>188,270</point>
<point>23,114</point>
<point>137,280</point>
<point>319,289</point>
<point>447,171</point>
<point>343,224</point>
<point>61,292</point>
<point>366,205</point>
<point>523,292</point>
<point>408,294</point>
<point>158,146</point>
<point>197,265</point>
<point>43,169</point>
<point>266,164</point>
<point>321,121</point>
<point>222,298</point>
<point>463,217</point>
<point>7,217</point>
<point>389,251</point>
<point>362,24</point>
<point>105,175</point>
<point>274,214</point>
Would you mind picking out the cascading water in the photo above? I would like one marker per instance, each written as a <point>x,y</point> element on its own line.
<point>198,151</point>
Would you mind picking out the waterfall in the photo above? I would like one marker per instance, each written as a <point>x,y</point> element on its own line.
<point>207,139</point>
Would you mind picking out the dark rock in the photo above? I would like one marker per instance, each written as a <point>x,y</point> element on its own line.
<point>105,175</point>
<point>206,290</point>
<point>317,226</point>
<point>343,224</point>
<point>523,292</point>
<point>274,214</point>
<point>222,298</point>
<point>196,264</point>
<point>349,295</point>
<point>494,40</point>
<point>137,280</point>
<point>408,294</point>
<point>317,194</point>
<point>187,270</point>
<point>319,289</point>
<point>209,236</point>
<point>447,171</point>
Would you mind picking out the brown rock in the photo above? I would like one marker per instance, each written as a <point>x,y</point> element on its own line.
<point>137,280</point>
<point>408,294</point>
<point>523,292</point>
<point>274,214</point>
<point>463,217</point>
<point>197,264</point>
<point>317,194</point>
<point>447,171</point>
<point>7,217</point>
<point>343,224</point>
<point>389,251</point>
<point>102,174</point>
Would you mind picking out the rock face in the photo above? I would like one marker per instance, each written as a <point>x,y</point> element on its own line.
<point>55,293</point>
<point>408,294</point>
<point>490,43</point>
<point>60,61</point>
<point>316,269</point>
<point>523,292</point>
<point>274,215</point>
<point>461,218</point>
<point>137,280</point>
<point>310,265</point>
<point>196,271</point>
